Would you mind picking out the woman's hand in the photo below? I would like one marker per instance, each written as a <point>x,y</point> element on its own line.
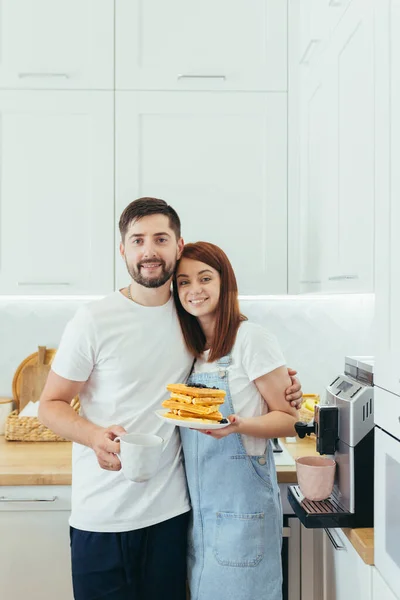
<point>294,394</point>
<point>221,433</point>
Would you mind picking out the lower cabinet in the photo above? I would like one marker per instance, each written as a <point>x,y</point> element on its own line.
<point>329,568</point>
<point>380,589</point>
<point>34,543</point>
<point>35,553</point>
<point>345,575</point>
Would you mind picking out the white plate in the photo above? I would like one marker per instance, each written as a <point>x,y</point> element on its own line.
<point>192,424</point>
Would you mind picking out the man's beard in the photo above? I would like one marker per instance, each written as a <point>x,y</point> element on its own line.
<point>151,282</point>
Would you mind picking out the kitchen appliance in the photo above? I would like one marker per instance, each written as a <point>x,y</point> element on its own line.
<point>344,428</point>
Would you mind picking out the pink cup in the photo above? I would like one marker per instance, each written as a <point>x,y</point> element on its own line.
<point>315,476</point>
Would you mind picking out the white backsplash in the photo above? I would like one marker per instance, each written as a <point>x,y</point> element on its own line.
<point>315,333</point>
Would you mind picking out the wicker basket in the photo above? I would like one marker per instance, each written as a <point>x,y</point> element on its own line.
<point>30,429</point>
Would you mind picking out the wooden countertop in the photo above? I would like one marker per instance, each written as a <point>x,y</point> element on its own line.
<point>49,463</point>
<point>35,463</point>
<point>304,447</point>
<point>362,540</point>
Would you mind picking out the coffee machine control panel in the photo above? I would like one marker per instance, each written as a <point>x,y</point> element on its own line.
<point>354,400</point>
<point>345,387</point>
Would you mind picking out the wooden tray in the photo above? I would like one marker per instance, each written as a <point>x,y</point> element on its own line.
<point>30,360</point>
<point>25,387</point>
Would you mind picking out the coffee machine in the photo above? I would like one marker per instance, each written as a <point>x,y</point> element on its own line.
<point>344,428</point>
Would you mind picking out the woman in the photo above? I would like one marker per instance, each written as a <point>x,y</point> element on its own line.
<point>235,538</point>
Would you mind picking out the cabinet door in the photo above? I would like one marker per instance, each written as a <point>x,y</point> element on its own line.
<point>380,589</point>
<point>308,150</point>
<point>56,192</point>
<point>220,160</point>
<point>387,490</point>
<point>334,11</point>
<point>349,68</point>
<point>346,576</point>
<point>34,543</point>
<point>180,45</point>
<point>312,192</point>
<point>57,44</point>
<point>312,29</point>
<point>387,272</point>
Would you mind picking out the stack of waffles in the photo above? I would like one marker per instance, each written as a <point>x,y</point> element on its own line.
<point>194,403</point>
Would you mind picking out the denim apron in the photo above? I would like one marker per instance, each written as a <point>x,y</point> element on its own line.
<point>234,549</point>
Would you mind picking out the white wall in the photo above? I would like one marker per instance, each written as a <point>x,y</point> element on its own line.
<point>315,333</point>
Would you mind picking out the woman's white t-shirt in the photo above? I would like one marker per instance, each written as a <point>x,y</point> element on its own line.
<point>256,352</point>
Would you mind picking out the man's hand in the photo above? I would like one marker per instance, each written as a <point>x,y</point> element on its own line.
<point>294,395</point>
<point>102,442</point>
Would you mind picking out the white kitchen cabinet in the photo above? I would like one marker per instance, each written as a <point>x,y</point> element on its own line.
<point>380,589</point>
<point>34,543</point>
<point>311,23</point>
<point>334,11</point>
<point>345,575</point>
<point>331,147</point>
<point>387,190</point>
<point>349,67</point>
<point>308,148</point>
<point>313,176</point>
<point>180,45</point>
<point>220,160</point>
<point>57,44</point>
<point>56,192</point>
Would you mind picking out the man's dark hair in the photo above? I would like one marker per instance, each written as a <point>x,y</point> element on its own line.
<point>144,207</point>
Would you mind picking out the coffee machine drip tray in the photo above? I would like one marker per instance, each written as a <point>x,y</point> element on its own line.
<point>319,514</point>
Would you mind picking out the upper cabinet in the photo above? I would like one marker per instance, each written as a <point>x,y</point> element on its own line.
<point>56,192</point>
<point>349,66</point>
<point>57,44</point>
<point>331,147</point>
<point>208,45</point>
<point>313,168</point>
<point>221,163</point>
<point>387,130</point>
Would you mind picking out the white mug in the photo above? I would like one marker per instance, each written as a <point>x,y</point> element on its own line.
<point>6,406</point>
<point>140,455</point>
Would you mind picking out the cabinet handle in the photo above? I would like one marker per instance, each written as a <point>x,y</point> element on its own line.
<point>182,76</point>
<point>5,499</point>
<point>333,541</point>
<point>342,277</point>
<point>43,283</point>
<point>45,75</point>
<point>308,52</point>
<point>335,3</point>
<point>310,281</point>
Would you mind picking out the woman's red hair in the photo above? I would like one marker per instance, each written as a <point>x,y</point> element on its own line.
<point>228,314</point>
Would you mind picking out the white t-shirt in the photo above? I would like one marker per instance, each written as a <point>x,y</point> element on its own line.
<point>256,352</point>
<point>128,353</point>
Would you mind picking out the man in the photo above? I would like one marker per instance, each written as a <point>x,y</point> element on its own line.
<point>128,540</point>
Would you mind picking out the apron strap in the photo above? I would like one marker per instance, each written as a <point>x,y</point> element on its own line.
<point>223,363</point>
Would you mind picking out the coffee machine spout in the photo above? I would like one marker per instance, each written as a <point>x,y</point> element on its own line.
<point>303,429</point>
